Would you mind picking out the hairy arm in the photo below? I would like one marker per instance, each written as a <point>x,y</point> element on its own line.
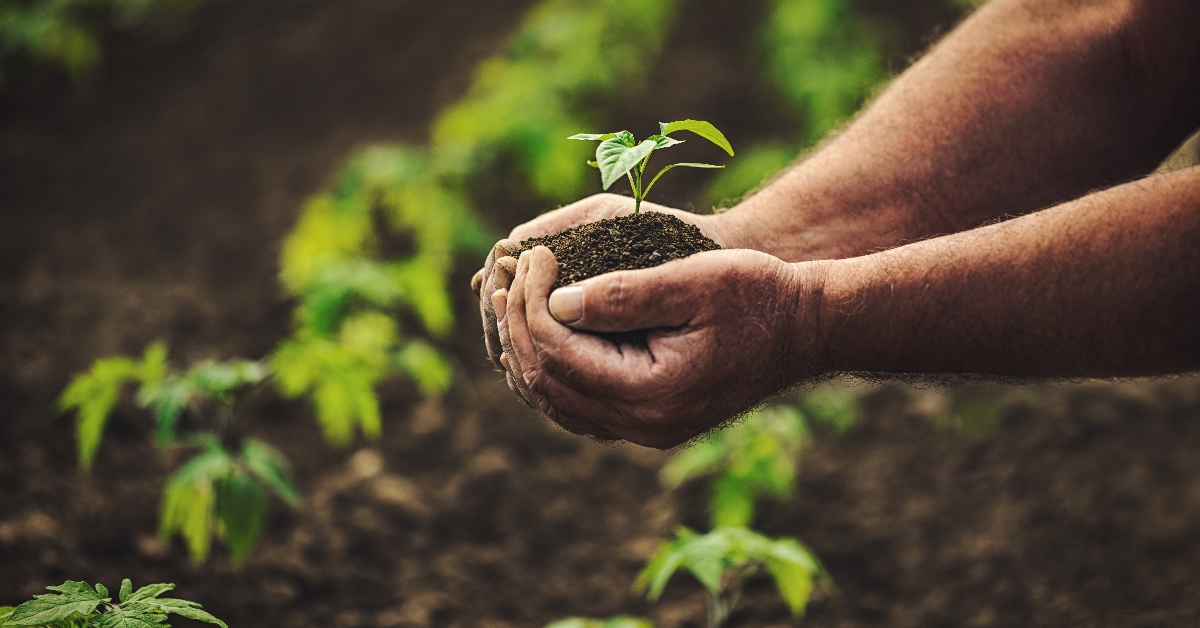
<point>1026,105</point>
<point>1107,285</point>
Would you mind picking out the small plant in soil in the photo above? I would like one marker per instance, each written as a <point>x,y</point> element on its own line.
<point>77,605</point>
<point>621,155</point>
<point>638,240</point>
<point>224,490</point>
<point>724,559</point>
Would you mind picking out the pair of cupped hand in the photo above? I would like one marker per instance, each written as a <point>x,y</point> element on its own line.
<point>725,328</point>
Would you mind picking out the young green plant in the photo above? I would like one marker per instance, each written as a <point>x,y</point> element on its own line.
<point>724,559</point>
<point>223,491</point>
<point>621,155</point>
<point>76,605</point>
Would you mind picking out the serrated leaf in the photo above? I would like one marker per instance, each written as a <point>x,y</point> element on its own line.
<point>5,611</point>
<point>184,608</point>
<point>93,395</point>
<point>271,469</point>
<point>150,591</point>
<point>242,509</point>
<point>189,500</point>
<point>101,590</point>
<point>616,158</point>
<point>129,615</point>
<point>699,127</point>
<point>72,598</point>
<point>593,136</point>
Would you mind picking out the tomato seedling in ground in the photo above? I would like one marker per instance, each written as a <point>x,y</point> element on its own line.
<point>724,559</point>
<point>77,605</point>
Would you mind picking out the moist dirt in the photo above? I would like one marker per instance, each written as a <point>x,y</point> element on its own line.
<point>642,240</point>
<point>152,203</point>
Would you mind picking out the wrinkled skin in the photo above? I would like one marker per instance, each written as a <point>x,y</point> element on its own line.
<point>706,360</point>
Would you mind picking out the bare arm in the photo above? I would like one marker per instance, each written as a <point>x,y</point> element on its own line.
<point>1027,104</point>
<point>1108,285</point>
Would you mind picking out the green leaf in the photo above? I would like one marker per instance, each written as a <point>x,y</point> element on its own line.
<point>168,397</point>
<point>5,611</point>
<point>131,615</point>
<point>184,608</point>
<point>699,127</point>
<point>616,158</point>
<point>242,509</point>
<point>593,136</point>
<point>614,622</point>
<point>427,367</point>
<point>732,502</point>
<point>271,469</point>
<point>189,500</point>
<point>150,591</point>
<point>626,138</point>
<point>663,141</point>
<point>73,598</point>
<point>699,459</point>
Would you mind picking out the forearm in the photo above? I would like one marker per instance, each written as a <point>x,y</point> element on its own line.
<point>1029,103</point>
<point>1108,285</point>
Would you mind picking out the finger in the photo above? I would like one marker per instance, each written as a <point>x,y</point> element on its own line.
<point>669,295</point>
<point>504,270</point>
<point>477,281</point>
<point>589,364</point>
<point>522,354</point>
<point>500,303</point>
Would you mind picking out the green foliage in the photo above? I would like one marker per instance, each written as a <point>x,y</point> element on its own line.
<point>621,155</point>
<point>94,394</point>
<point>217,493</point>
<point>725,558</point>
<point>209,381</point>
<point>519,104</point>
<point>76,605</point>
<point>614,622</point>
<point>66,32</point>
<point>757,456</point>
<point>825,58</point>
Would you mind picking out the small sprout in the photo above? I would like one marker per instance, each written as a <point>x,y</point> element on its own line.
<point>620,154</point>
<point>76,605</point>
<point>724,559</point>
<point>613,622</point>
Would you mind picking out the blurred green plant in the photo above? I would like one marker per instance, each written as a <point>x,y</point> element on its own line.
<point>724,559</point>
<point>67,33</point>
<point>520,104</point>
<point>76,605</point>
<point>621,155</point>
<point>825,58</point>
<point>758,456</point>
<point>217,493</point>
<point>614,622</point>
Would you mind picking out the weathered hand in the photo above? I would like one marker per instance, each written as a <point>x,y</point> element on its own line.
<point>727,329</point>
<point>497,272</point>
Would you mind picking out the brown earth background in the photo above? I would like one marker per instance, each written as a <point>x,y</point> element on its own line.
<point>151,204</point>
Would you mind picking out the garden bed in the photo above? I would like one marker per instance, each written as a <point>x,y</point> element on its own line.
<point>152,204</point>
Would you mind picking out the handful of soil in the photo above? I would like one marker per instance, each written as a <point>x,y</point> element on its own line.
<point>625,243</point>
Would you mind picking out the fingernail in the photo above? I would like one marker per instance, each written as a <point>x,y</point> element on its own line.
<point>500,303</point>
<point>504,360</point>
<point>566,304</point>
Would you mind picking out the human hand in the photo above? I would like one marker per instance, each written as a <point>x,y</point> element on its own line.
<point>727,329</point>
<point>500,266</point>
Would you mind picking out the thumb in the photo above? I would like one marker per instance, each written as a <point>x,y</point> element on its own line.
<point>627,300</point>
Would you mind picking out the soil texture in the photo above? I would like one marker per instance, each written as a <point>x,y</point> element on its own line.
<point>631,242</point>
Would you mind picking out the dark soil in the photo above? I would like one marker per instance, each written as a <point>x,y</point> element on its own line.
<point>631,242</point>
<point>152,206</point>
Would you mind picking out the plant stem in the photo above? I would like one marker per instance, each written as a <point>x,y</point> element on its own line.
<point>637,191</point>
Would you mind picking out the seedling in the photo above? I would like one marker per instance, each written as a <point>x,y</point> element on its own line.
<point>76,605</point>
<point>216,493</point>
<point>759,456</point>
<point>620,154</point>
<point>613,622</point>
<point>724,559</point>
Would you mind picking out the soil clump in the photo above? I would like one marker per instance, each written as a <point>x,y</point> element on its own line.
<point>624,243</point>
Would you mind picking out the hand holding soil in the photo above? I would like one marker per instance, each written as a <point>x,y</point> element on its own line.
<point>727,328</point>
